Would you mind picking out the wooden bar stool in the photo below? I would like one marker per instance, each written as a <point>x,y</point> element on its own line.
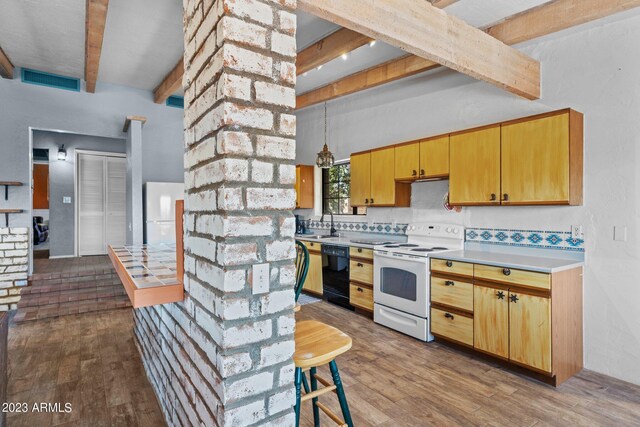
<point>318,344</point>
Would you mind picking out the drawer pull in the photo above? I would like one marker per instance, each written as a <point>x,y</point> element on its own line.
<point>514,298</point>
<point>360,290</point>
<point>449,264</point>
<point>500,295</point>
<point>448,316</point>
<point>449,283</point>
<point>506,271</point>
<point>360,250</point>
<point>360,264</point>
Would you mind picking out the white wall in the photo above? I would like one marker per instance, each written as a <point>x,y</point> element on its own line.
<point>593,69</point>
<point>100,114</point>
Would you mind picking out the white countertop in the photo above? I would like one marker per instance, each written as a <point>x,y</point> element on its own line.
<point>344,241</point>
<point>501,259</point>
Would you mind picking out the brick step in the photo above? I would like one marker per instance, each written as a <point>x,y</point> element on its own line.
<point>27,314</point>
<point>41,299</point>
<point>56,287</point>
<point>72,279</point>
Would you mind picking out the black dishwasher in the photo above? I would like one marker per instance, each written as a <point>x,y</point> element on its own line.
<point>335,275</point>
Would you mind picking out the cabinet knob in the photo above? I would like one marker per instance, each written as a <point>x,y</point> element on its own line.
<point>449,264</point>
<point>505,197</point>
<point>360,264</point>
<point>371,201</point>
<point>448,316</point>
<point>449,283</point>
<point>500,295</point>
<point>414,173</point>
<point>514,298</point>
<point>493,197</point>
<point>421,172</point>
<point>359,249</point>
<point>360,290</point>
<point>506,271</point>
<point>366,201</point>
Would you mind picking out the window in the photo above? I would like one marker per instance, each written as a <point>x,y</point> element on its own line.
<point>336,190</point>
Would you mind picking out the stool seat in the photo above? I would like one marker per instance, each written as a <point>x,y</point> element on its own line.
<point>318,344</point>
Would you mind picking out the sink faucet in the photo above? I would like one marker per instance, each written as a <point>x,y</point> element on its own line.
<point>332,231</point>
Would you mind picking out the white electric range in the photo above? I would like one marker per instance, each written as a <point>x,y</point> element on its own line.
<point>401,279</point>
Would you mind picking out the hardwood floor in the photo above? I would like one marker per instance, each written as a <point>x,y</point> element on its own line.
<point>89,360</point>
<point>393,380</point>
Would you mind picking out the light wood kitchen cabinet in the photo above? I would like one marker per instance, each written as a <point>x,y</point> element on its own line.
<point>491,320</point>
<point>304,186</point>
<point>313,283</point>
<point>542,160</point>
<point>474,168</point>
<point>373,182</point>
<point>453,325</point>
<point>407,161</point>
<point>434,157</point>
<point>361,278</point>
<point>530,330</point>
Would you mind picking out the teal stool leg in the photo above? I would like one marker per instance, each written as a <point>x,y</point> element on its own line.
<point>314,387</point>
<point>298,381</point>
<point>341,396</point>
<point>305,383</point>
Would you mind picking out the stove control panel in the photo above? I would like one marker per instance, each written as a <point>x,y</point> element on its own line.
<point>425,229</point>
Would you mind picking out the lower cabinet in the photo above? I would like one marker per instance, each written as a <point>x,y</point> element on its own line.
<point>535,322</point>
<point>361,278</point>
<point>313,283</point>
<point>361,296</point>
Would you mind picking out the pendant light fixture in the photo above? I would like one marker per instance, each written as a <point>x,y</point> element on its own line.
<point>325,157</point>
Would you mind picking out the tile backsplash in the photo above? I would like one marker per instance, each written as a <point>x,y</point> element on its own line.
<point>527,238</point>
<point>359,226</point>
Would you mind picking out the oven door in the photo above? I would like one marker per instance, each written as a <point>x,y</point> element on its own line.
<point>401,283</point>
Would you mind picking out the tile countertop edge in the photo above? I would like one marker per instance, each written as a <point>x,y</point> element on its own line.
<point>337,241</point>
<point>530,263</point>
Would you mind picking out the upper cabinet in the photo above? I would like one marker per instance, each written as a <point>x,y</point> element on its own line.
<point>475,167</point>
<point>426,159</point>
<point>372,180</point>
<point>542,160</point>
<point>304,187</point>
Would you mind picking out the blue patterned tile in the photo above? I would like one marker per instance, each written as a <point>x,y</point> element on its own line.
<point>554,239</point>
<point>471,234</point>
<point>486,235</point>
<point>574,242</point>
<point>534,238</point>
<point>502,236</point>
<point>517,237</point>
<point>526,238</point>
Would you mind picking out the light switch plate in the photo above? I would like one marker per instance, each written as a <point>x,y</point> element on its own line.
<point>260,278</point>
<point>576,232</point>
<point>620,233</point>
<point>66,199</point>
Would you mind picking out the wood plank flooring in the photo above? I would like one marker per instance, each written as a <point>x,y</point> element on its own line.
<point>393,380</point>
<point>89,360</point>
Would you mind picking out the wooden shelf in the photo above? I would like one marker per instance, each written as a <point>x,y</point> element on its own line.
<point>6,213</point>
<point>8,184</point>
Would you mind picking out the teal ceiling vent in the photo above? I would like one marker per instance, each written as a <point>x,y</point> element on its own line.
<point>51,80</point>
<point>175,101</point>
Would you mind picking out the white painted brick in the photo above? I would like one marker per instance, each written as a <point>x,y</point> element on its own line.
<point>4,246</point>
<point>286,420</point>
<point>210,224</point>
<point>282,401</point>
<point>277,301</point>
<point>235,226</point>
<point>237,253</point>
<point>211,122</point>
<point>234,143</point>
<point>247,387</point>
<point>287,226</point>
<point>281,250</point>
<point>288,274</point>
<point>276,353</point>
<point>276,147</point>
<point>209,324</point>
<point>232,309</point>
<point>241,59</point>
<point>261,172</point>
<point>199,246</point>
<point>201,152</point>
<point>286,325</point>
<point>234,364</point>
<point>240,115</point>
<point>287,174</point>
<point>202,201</point>
<point>222,170</point>
<point>233,86</point>
<point>288,72</point>
<point>248,333</point>
<point>283,44</point>
<point>287,22</point>
<point>245,415</point>
<point>230,199</point>
<point>275,94</point>
<point>286,375</point>
<point>251,9</point>
<point>270,198</point>
<point>15,238</point>
<point>16,253</point>
<point>235,29</point>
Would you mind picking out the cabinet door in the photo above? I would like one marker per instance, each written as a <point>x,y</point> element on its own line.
<point>530,330</point>
<point>535,161</point>
<point>304,186</point>
<point>491,320</point>
<point>360,179</point>
<point>407,161</point>
<point>434,158</point>
<point>313,282</point>
<point>474,175</point>
<point>383,184</point>
<point>297,186</point>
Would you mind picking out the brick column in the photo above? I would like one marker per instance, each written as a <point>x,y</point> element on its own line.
<point>14,263</point>
<point>239,175</point>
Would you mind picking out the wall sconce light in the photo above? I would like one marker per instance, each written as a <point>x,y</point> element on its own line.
<point>62,153</point>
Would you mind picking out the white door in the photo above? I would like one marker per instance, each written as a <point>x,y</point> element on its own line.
<point>101,203</point>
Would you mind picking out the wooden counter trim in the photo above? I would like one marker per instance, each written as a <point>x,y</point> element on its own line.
<point>514,288</point>
<point>359,259</point>
<point>145,297</point>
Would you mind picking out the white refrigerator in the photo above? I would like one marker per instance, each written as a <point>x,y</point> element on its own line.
<point>159,209</point>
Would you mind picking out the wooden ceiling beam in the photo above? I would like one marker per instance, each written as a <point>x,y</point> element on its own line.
<point>6,67</point>
<point>428,32</point>
<point>170,84</point>
<point>95,20</point>
<point>338,43</point>
<point>550,17</point>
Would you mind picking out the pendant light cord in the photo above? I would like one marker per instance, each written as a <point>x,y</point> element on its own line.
<point>325,125</point>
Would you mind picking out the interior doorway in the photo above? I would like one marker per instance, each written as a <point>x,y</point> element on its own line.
<point>40,194</point>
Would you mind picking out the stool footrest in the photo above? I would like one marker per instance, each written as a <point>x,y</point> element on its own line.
<point>317,393</point>
<point>322,380</point>
<point>336,419</point>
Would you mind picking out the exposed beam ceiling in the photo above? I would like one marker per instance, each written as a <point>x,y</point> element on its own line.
<point>6,67</point>
<point>545,19</point>
<point>430,33</point>
<point>338,43</point>
<point>170,84</point>
<point>95,20</point>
